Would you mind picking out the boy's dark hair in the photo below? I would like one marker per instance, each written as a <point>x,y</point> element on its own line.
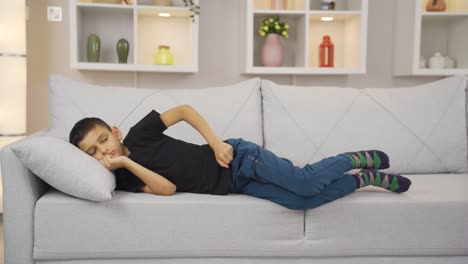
<point>82,127</point>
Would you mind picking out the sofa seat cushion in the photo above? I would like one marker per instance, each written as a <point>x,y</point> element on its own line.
<point>430,219</point>
<point>139,225</point>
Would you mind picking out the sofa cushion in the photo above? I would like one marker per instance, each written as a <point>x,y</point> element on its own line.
<point>65,167</point>
<point>430,219</point>
<point>139,225</point>
<point>232,110</point>
<point>422,128</point>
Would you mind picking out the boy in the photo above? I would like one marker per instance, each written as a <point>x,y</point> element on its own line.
<point>152,162</point>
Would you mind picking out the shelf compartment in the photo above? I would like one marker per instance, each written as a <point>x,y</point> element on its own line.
<point>345,33</point>
<point>445,34</point>
<point>340,5</point>
<point>110,23</point>
<point>294,46</point>
<point>290,5</point>
<point>452,6</point>
<point>175,31</point>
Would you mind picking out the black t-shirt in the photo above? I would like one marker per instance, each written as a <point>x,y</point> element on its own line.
<point>192,168</point>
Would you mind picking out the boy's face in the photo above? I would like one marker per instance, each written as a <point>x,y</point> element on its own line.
<point>100,142</point>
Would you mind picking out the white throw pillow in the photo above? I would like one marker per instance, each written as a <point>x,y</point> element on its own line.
<point>422,128</point>
<point>65,167</point>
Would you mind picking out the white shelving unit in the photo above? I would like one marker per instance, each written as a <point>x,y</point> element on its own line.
<point>421,33</point>
<point>144,29</point>
<point>348,32</point>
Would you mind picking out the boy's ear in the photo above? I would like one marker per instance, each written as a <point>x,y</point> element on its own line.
<point>116,132</point>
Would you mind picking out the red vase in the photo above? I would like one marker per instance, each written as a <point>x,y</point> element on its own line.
<point>436,5</point>
<point>326,52</point>
<point>272,51</point>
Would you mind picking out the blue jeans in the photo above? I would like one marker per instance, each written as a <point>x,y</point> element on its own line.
<point>258,172</point>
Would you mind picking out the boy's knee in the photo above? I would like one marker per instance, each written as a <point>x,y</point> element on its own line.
<point>298,204</point>
<point>307,189</point>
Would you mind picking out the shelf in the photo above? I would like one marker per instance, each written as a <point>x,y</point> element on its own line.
<point>145,3</point>
<point>304,70</point>
<point>445,34</point>
<point>294,47</point>
<point>348,32</point>
<point>144,29</point>
<point>428,33</point>
<point>134,67</point>
<point>345,34</point>
<point>439,72</point>
<point>100,5</point>
<point>280,12</point>
<point>172,10</point>
<point>340,5</point>
<point>436,15</point>
<point>337,15</point>
<point>175,32</point>
<point>110,24</point>
<point>452,6</point>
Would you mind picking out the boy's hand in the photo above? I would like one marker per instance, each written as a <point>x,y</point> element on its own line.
<point>113,163</point>
<point>223,153</point>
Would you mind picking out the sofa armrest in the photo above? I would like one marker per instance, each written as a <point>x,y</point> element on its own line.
<point>21,190</point>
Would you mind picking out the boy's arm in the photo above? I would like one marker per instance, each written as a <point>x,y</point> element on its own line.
<point>191,116</point>
<point>156,183</point>
<point>223,151</point>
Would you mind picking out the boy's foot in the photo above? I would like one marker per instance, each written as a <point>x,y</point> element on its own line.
<point>368,159</point>
<point>391,182</point>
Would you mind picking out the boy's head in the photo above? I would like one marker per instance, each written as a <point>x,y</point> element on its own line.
<point>96,138</point>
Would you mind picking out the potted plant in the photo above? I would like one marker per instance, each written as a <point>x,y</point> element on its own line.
<point>272,50</point>
<point>193,7</point>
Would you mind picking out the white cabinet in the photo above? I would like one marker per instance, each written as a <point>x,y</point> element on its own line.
<point>142,24</point>
<point>348,32</point>
<point>418,32</point>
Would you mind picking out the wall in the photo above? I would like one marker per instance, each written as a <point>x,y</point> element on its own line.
<point>220,56</point>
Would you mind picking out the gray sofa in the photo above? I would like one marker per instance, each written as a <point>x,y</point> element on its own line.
<point>423,129</point>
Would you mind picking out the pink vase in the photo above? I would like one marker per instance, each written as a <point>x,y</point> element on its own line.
<point>272,51</point>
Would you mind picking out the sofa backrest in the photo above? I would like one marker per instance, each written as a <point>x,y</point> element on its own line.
<point>422,128</point>
<point>232,110</point>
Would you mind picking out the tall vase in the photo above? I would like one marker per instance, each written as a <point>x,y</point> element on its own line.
<point>122,50</point>
<point>272,51</point>
<point>93,48</point>
<point>326,52</point>
<point>436,5</point>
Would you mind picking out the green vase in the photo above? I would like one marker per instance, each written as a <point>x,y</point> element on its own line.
<point>93,48</point>
<point>122,50</point>
<point>164,56</point>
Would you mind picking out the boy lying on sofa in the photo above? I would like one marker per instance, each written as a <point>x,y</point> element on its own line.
<point>152,162</point>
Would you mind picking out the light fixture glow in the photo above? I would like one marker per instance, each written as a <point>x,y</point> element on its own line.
<point>164,14</point>
<point>326,19</point>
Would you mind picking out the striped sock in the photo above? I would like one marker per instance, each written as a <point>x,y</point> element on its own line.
<point>368,159</point>
<point>391,182</point>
